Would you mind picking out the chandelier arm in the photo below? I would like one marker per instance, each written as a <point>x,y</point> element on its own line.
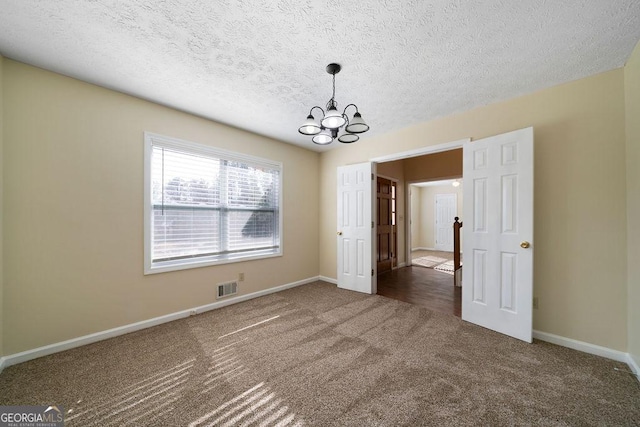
<point>314,107</point>
<point>345,108</point>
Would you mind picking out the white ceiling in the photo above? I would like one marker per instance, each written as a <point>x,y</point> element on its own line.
<point>260,65</point>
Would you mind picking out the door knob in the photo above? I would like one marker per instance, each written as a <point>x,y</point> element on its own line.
<point>339,233</point>
<point>525,244</point>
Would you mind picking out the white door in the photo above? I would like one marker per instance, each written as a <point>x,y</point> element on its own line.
<point>497,282</point>
<point>446,209</point>
<point>355,228</point>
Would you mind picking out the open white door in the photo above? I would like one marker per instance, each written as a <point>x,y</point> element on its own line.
<point>497,282</point>
<point>355,228</point>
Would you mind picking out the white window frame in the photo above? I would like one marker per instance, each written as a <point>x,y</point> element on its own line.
<point>151,140</point>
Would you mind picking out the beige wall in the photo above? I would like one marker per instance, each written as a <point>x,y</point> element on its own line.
<point>71,200</point>
<point>73,169</point>
<point>425,221</point>
<point>632,98</point>
<point>434,167</point>
<point>580,198</point>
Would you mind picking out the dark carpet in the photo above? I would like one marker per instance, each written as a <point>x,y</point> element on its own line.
<point>321,356</point>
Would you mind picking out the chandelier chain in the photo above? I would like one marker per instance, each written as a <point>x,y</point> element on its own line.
<point>332,101</point>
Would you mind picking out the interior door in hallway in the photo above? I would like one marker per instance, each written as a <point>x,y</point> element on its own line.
<point>446,209</point>
<point>384,225</point>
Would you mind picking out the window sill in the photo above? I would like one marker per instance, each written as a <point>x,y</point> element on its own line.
<point>187,264</point>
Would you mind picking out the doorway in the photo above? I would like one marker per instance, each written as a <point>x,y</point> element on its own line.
<point>432,207</point>
<point>499,276</point>
<point>427,279</point>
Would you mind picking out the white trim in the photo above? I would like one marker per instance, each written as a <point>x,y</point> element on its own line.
<point>582,346</point>
<point>328,279</point>
<point>152,140</point>
<point>208,150</point>
<point>402,264</point>
<point>431,149</point>
<point>634,365</point>
<point>420,248</point>
<point>46,350</point>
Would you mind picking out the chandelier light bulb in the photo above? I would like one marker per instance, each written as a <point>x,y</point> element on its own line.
<point>348,138</point>
<point>357,125</point>
<point>323,138</point>
<point>310,126</point>
<point>333,119</point>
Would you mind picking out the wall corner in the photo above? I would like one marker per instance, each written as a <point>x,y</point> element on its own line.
<point>632,135</point>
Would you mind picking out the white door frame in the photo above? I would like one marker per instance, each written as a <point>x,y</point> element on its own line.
<point>432,149</point>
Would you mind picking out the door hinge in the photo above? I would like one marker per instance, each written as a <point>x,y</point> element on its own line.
<point>372,271</point>
<point>372,224</point>
<point>372,178</point>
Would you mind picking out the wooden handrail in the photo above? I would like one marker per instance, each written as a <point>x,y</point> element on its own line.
<point>457,225</point>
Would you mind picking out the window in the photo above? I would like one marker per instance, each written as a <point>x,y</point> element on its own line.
<point>206,206</point>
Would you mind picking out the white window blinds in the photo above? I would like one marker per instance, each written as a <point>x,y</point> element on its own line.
<point>210,206</point>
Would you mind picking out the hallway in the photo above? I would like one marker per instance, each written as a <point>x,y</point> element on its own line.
<point>422,286</point>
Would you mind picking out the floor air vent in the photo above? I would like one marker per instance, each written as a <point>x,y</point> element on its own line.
<point>227,288</point>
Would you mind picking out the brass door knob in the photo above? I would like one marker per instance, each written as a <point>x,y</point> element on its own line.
<point>525,244</point>
<point>339,233</point>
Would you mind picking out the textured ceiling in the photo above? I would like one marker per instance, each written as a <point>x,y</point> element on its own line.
<point>260,64</point>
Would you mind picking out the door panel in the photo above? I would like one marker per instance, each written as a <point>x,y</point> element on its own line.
<point>384,226</point>
<point>355,228</point>
<point>498,199</point>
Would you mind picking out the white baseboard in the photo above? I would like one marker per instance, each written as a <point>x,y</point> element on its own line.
<point>582,346</point>
<point>328,279</point>
<point>402,264</point>
<point>24,356</point>
<point>420,248</point>
<point>634,364</point>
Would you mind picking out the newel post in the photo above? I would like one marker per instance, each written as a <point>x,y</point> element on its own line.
<point>457,225</point>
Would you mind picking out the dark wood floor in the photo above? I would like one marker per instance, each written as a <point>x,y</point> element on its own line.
<point>422,286</point>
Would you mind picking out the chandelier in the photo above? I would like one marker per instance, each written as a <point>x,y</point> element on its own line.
<point>332,121</point>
